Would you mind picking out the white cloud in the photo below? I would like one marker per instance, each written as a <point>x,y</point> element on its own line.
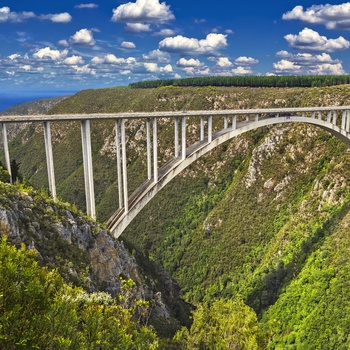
<point>10,72</point>
<point>63,43</point>
<point>210,45</point>
<point>242,70</point>
<point>157,56</point>
<point>243,60</point>
<point>74,60</point>
<point>14,56</point>
<point>83,37</point>
<point>142,11</point>
<point>112,59</point>
<point>332,16</point>
<point>7,16</point>
<point>26,67</point>
<point>165,32</point>
<point>86,6</point>
<point>84,70</point>
<point>137,27</point>
<point>46,53</point>
<point>183,62</point>
<point>306,58</point>
<point>64,17</point>
<point>151,67</point>
<point>310,40</point>
<point>127,45</point>
<point>306,64</point>
<point>223,62</point>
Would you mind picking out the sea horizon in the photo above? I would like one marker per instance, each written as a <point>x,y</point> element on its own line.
<point>12,98</point>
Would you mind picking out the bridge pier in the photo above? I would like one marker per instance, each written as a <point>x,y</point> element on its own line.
<point>49,159</point>
<point>6,149</point>
<point>124,171</point>
<point>210,128</point>
<point>234,122</point>
<point>176,137</point>
<point>155,151</point>
<point>183,138</point>
<point>88,173</point>
<point>149,148</point>
<point>119,164</point>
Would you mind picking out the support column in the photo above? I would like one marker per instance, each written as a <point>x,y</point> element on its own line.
<point>313,115</point>
<point>256,117</point>
<point>329,115</point>
<point>202,129</point>
<point>347,128</point>
<point>303,114</point>
<point>88,173</point>
<point>183,138</point>
<point>155,151</point>
<point>149,149</point>
<point>234,122</point>
<point>210,128</point>
<point>343,120</point>
<point>6,149</point>
<point>247,118</point>
<point>225,122</point>
<point>49,159</point>
<point>125,175</point>
<point>334,117</point>
<point>319,115</point>
<point>176,125</point>
<point>119,164</point>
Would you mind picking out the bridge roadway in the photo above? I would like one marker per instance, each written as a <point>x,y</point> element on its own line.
<point>335,119</point>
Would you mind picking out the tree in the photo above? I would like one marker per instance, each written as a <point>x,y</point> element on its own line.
<point>224,325</point>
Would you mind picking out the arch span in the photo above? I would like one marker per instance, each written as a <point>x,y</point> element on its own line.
<point>137,201</point>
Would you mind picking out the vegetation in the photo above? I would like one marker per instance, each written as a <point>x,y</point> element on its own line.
<point>249,81</point>
<point>255,231</point>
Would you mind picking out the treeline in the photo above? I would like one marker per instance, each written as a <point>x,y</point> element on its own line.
<point>249,81</point>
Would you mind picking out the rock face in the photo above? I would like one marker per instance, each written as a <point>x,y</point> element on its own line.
<point>83,252</point>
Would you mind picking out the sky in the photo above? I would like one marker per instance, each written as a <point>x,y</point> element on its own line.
<point>73,45</point>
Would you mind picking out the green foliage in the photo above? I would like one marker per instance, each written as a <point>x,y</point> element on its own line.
<point>250,81</point>
<point>223,325</point>
<point>38,310</point>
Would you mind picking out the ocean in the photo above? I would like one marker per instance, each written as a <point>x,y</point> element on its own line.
<point>9,99</point>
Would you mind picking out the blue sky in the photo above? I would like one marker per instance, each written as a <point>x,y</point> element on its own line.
<point>72,45</point>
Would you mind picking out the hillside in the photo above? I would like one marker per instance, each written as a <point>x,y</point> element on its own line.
<point>263,218</point>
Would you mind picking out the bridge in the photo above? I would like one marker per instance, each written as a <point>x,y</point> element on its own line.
<point>335,119</point>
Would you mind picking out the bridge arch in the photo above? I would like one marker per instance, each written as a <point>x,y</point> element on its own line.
<point>138,200</point>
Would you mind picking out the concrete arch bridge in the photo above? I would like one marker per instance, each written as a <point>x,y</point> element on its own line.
<point>335,119</point>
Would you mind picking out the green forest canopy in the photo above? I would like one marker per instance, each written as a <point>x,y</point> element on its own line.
<point>249,81</point>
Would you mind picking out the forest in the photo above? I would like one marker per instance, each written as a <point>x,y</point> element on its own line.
<point>249,81</point>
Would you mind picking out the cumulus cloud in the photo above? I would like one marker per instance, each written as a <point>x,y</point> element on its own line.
<point>112,59</point>
<point>74,60</point>
<point>84,70</point>
<point>14,57</point>
<point>242,70</point>
<point>127,45</point>
<point>332,16</point>
<point>64,17</point>
<point>165,32</point>
<point>223,62</point>
<point>86,6</point>
<point>142,11</point>
<point>183,62</point>
<point>6,15</point>
<point>47,53</point>
<point>188,46</point>
<point>137,27</point>
<point>310,40</point>
<point>306,64</point>
<point>83,37</point>
<point>243,61</point>
<point>157,56</point>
